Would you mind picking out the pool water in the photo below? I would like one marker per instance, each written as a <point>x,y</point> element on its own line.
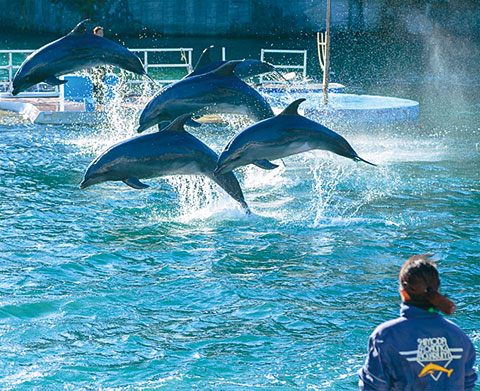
<point>174,287</point>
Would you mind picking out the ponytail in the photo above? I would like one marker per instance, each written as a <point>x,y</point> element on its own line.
<point>420,283</point>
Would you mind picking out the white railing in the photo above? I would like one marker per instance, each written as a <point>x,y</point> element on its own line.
<point>185,54</point>
<point>302,66</point>
<point>6,85</point>
<point>148,56</point>
<point>45,90</point>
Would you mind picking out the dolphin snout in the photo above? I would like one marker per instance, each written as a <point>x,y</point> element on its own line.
<point>141,128</point>
<point>220,169</point>
<point>84,184</point>
<point>216,172</point>
<point>89,182</point>
<point>144,126</point>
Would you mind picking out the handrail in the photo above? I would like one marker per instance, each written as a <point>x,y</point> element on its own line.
<point>303,66</point>
<point>43,89</point>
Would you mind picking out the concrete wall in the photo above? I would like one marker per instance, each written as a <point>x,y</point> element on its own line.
<point>37,16</point>
<point>241,17</point>
<point>249,17</point>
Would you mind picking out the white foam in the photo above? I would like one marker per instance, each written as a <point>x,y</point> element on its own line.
<point>199,199</point>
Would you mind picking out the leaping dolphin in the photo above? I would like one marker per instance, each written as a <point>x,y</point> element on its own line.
<point>286,134</point>
<point>218,91</point>
<point>244,70</point>
<point>76,50</point>
<point>172,151</point>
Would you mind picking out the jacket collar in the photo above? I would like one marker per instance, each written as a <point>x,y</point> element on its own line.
<point>410,311</point>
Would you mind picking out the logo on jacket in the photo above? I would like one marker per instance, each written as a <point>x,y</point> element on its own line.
<point>434,356</point>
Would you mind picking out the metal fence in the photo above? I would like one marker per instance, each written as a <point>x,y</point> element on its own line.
<point>153,61</point>
<point>301,63</point>
<point>155,64</point>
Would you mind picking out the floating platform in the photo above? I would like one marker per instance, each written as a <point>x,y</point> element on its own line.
<point>50,111</point>
<point>303,88</point>
<point>349,108</point>
<point>341,108</point>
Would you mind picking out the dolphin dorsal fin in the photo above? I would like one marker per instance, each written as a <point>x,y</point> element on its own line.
<point>227,68</point>
<point>80,28</point>
<point>177,125</point>
<point>292,108</point>
<point>204,58</point>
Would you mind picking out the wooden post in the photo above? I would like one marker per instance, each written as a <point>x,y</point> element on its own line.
<point>326,69</point>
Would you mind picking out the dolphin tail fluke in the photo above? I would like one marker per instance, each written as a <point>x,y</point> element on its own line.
<point>229,183</point>
<point>281,76</point>
<point>358,158</point>
<point>247,210</point>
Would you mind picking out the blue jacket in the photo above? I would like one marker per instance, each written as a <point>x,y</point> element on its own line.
<point>420,350</point>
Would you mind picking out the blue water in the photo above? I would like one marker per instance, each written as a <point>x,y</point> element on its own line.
<point>174,287</point>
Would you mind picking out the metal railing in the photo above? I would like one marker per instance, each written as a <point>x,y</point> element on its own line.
<point>154,63</point>
<point>185,55</point>
<point>45,90</point>
<point>6,85</point>
<point>302,67</point>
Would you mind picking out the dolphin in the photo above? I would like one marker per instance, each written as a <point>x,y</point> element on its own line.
<point>76,50</point>
<point>244,70</point>
<point>286,134</point>
<point>431,368</point>
<point>172,151</point>
<point>218,91</point>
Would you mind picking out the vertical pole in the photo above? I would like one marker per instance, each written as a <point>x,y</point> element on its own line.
<point>62,95</point>
<point>190,68</point>
<point>223,53</point>
<point>262,58</point>
<point>327,56</point>
<point>304,66</point>
<point>10,72</point>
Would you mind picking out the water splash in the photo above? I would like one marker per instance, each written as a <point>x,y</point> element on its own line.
<point>119,116</point>
<point>197,198</point>
<point>324,189</point>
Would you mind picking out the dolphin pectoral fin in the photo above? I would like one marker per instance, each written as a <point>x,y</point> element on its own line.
<point>265,164</point>
<point>53,81</point>
<point>177,125</point>
<point>135,183</point>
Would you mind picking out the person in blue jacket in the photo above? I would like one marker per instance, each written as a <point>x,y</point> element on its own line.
<point>420,350</point>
